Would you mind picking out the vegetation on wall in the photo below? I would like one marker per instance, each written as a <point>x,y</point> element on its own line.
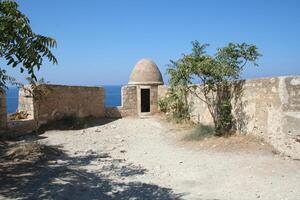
<point>19,45</point>
<point>176,102</point>
<point>37,89</point>
<point>216,75</point>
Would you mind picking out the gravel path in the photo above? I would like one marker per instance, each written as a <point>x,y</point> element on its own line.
<point>147,159</point>
<point>147,151</point>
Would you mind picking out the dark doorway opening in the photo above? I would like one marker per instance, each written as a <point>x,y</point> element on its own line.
<point>145,100</point>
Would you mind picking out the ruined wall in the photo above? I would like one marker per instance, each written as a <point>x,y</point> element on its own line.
<point>129,100</point>
<point>154,99</point>
<point>162,91</point>
<point>25,102</point>
<point>267,107</point>
<point>129,103</point>
<point>3,113</point>
<point>270,108</point>
<point>69,101</point>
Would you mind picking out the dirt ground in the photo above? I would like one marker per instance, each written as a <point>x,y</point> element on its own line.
<point>147,158</point>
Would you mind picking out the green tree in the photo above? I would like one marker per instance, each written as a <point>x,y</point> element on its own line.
<point>19,45</point>
<point>176,100</point>
<point>216,75</point>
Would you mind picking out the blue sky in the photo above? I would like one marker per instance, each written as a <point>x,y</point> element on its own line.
<point>100,41</point>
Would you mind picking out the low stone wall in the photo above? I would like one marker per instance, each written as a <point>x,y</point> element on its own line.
<point>20,128</point>
<point>129,101</point>
<point>129,104</point>
<point>69,101</point>
<point>113,112</point>
<point>3,112</point>
<point>270,108</point>
<point>162,91</point>
<point>267,107</point>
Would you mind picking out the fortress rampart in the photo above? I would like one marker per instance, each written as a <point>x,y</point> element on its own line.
<point>266,107</point>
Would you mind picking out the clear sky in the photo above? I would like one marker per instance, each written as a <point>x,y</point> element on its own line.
<point>99,41</point>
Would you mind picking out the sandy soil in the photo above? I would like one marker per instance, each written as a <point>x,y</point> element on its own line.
<point>147,159</point>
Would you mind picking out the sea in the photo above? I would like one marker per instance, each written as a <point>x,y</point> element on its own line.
<point>112,97</point>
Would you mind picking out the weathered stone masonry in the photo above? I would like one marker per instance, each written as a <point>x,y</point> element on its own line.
<point>26,102</point>
<point>145,77</point>
<point>267,107</point>
<point>3,114</point>
<point>69,101</point>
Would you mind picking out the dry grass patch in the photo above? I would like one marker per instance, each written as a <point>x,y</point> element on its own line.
<point>18,116</point>
<point>237,143</point>
<point>200,132</point>
<point>30,151</point>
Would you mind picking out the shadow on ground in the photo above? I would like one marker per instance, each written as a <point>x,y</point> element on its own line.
<point>64,177</point>
<point>66,123</point>
<point>73,123</point>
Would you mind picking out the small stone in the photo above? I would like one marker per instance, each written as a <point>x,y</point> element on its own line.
<point>98,130</point>
<point>122,151</point>
<point>90,151</point>
<point>111,149</point>
<point>180,162</point>
<point>113,126</point>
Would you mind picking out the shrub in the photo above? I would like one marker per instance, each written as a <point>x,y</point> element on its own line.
<point>175,107</point>
<point>200,132</point>
<point>163,105</point>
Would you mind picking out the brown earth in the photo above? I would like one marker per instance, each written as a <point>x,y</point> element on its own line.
<point>147,158</point>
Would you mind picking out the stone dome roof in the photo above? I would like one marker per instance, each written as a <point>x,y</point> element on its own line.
<point>145,72</point>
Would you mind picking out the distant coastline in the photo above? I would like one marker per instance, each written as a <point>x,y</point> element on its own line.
<point>112,97</point>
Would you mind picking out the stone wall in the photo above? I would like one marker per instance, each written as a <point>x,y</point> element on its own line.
<point>162,91</point>
<point>154,99</point>
<point>113,112</point>
<point>129,101</point>
<point>69,101</point>
<point>267,107</point>
<point>270,108</point>
<point>25,102</point>
<point>3,113</point>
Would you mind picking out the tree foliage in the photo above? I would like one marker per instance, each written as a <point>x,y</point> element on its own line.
<point>19,45</point>
<point>215,74</point>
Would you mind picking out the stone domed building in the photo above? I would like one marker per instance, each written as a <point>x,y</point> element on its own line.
<point>146,77</point>
<point>145,72</point>
<point>140,96</point>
